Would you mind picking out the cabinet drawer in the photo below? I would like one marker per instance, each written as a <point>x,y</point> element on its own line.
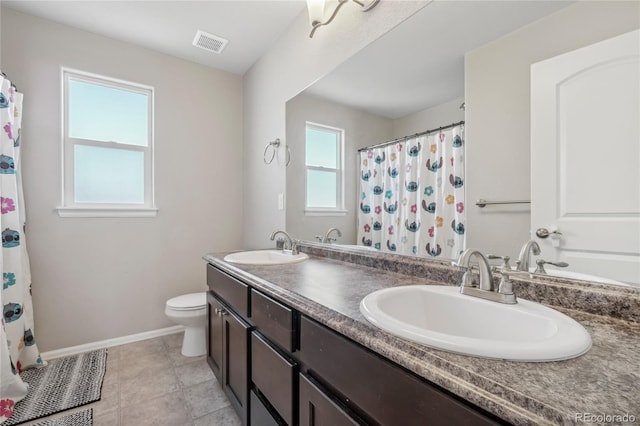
<point>260,415</point>
<point>375,388</point>
<point>317,409</point>
<point>273,320</point>
<point>274,376</point>
<point>232,291</point>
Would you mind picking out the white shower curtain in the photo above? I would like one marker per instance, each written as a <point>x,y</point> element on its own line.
<point>412,196</point>
<point>18,349</point>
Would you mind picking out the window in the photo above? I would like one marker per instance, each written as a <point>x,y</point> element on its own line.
<point>324,170</point>
<point>107,147</point>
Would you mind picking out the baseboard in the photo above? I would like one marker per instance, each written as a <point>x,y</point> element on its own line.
<point>73,350</point>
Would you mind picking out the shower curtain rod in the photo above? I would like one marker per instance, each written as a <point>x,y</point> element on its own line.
<point>5,76</point>
<point>404,138</point>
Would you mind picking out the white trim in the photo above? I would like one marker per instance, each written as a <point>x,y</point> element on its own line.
<point>73,350</point>
<point>68,143</point>
<point>338,170</point>
<point>106,212</point>
<point>312,212</point>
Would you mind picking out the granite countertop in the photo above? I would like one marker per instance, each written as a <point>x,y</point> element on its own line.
<point>604,381</point>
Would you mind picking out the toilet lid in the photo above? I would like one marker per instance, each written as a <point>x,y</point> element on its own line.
<point>188,302</point>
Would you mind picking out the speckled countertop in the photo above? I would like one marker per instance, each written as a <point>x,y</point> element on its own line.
<point>604,381</point>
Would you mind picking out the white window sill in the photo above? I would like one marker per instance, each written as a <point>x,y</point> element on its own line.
<point>107,212</point>
<point>312,212</point>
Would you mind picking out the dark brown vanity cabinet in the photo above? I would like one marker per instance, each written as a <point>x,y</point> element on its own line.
<point>228,336</point>
<point>279,367</point>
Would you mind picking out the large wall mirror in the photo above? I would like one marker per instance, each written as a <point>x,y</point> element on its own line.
<point>409,81</point>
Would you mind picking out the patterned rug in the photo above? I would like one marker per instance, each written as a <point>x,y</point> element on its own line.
<point>63,384</point>
<point>80,418</point>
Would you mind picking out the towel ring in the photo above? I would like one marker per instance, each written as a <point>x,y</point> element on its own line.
<point>287,156</point>
<point>274,145</point>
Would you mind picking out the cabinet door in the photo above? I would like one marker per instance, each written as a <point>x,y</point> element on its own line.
<point>236,362</point>
<point>317,409</point>
<point>214,335</point>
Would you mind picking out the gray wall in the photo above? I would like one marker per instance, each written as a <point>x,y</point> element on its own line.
<point>361,129</point>
<point>497,86</point>
<point>428,119</point>
<point>95,279</point>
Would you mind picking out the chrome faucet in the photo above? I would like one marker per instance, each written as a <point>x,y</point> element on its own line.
<point>486,279</point>
<point>289,242</point>
<point>327,238</point>
<point>525,255</point>
<point>486,290</point>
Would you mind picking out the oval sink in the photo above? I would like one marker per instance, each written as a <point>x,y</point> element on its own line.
<point>264,257</point>
<point>442,318</point>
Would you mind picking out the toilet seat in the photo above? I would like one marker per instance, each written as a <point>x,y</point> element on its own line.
<point>188,302</point>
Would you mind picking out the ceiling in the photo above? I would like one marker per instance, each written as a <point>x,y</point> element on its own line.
<point>170,26</point>
<point>420,63</point>
<point>417,65</point>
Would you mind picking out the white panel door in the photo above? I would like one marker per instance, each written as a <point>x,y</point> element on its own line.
<point>585,157</point>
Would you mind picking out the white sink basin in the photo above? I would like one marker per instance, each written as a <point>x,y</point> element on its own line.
<point>264,257</point>
<point>442,318</point>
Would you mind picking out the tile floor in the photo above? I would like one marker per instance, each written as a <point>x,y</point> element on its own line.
<point>151,383</point>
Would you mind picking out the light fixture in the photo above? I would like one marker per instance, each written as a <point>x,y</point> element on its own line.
<point>317,11</point>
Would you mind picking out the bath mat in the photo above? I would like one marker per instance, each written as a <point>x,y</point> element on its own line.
<point>62,384</point>
<point>80,418</point>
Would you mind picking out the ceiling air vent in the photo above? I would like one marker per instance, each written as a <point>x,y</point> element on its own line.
<point>209,42</point>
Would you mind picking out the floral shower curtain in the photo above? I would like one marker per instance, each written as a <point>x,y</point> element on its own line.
<point>18,349</point>
<point>412,195</point>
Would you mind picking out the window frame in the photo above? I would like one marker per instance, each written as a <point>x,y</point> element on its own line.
<point>339,210</point>
<point>69,207</point>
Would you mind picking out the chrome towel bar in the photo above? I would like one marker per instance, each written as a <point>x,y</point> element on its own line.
<point>482,203</point>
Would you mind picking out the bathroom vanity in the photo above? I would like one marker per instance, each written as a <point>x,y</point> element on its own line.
<point>289,346</point>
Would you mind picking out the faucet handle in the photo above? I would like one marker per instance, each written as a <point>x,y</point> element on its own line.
<point>280,243</point>
<point>294,247</point>
<point>318,237</point>
<point>541,262</point>
<point>505,261</point>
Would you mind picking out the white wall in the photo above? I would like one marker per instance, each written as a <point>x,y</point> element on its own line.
<point>428,119</point>
<point>293,63</point>
<point>497,86</point>
<point>361,129</point>
<point>95,279</point>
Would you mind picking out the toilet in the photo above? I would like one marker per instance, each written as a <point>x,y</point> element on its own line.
<point>190,310</point>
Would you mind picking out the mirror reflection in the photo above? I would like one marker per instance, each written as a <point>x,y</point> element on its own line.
<point>412,80</point>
